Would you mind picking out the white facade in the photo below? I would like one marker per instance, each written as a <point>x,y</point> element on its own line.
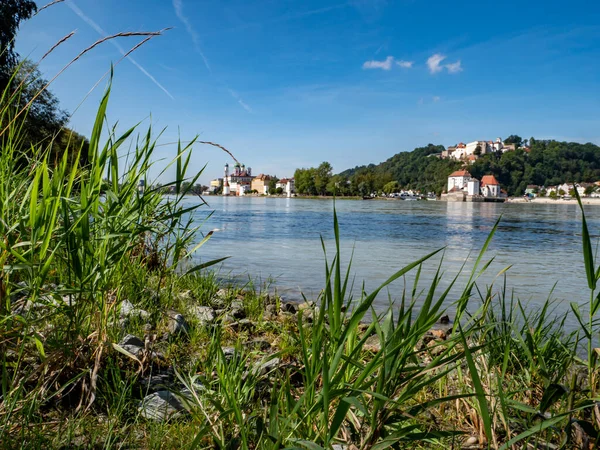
<point>458,180</point>
<point>473,187</point>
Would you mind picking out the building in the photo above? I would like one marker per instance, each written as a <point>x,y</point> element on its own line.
<point>471,151</point>
<point>216,184</point>
<point>239,177</point>
<point>457,181</point>
<point>288,185</point>
<point>490,186</point>
<point>261,184</point>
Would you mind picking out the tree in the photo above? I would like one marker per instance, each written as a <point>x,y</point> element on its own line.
<point>542,193</point>
<point>322,175</point>
<point>279,191</point>
<point>391,187</point>
<point>553,195</point>
<point>561,192</point>
<point>477,151</point>
<point>12,12</point>
<point>589,190</point>
<point>514,139</point>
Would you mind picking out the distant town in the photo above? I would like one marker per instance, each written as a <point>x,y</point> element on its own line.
<point>479,171</point>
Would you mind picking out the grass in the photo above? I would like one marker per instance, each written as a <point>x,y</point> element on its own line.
<point>77,242</point>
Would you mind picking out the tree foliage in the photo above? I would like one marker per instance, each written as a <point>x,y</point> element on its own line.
<point>12,12</point>
<point>548,163</point>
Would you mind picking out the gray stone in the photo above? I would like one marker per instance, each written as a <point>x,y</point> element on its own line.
<point>204,314</point>
<point>161,406</point>
<point>246,324</point>
<point>177,323</point>
<point>263,367</point>
<point>222,293</point>
<point>229,353</point>
<point>128,311</point>
<point>373,344</point>
<point>132,344</point>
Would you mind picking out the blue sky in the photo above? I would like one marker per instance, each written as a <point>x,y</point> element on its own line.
<point>289,83</point>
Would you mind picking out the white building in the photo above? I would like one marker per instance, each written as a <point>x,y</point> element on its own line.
<point>490,186</point>
<point>473,187</point>
<point>457,181</point>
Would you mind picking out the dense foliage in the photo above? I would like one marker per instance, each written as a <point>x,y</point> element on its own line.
<point>420,170</point>
<point>12,12</point>
<point>26,97</point>
<point>548,163</point>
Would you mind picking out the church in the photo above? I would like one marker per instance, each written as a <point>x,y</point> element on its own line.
<point>239,181</point>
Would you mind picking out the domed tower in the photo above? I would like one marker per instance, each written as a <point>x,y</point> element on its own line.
<point>226,188</point>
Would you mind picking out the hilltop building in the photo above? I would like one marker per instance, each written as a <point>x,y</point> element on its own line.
<point>473,150</point>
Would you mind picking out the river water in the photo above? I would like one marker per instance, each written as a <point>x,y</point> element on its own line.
<point>276,241</point>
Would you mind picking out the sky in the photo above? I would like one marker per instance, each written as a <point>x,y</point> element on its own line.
<point>284,84</point>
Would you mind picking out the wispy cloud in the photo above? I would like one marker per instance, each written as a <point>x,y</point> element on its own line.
<point>178,5</point>
<point>386,64</point>
<point>436,98</point>
<point>405,64</point>
<point>434,62</point>
<point>103,33</point>
<point>240,101</point>
<point>454,67</point>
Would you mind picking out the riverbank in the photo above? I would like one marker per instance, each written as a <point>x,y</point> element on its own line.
<point>192,363</point>
<point>550,201</point>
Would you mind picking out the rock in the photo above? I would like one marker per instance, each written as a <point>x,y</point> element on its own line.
<point>258,344</point>
<point>246,324</point>
<point>306,305</point>
<point>132,344</point>
<point>177,323</point>
<point>288,307</point>
<point>372,344</point>
<point>228,352</point>
<point>263,367</point>
<point>160,406</point>
<point>157,381</point>
<point>435,348</point>
<point>128,311</point>
<point>438,334</point>
<point>204,314</point>
<point>238,313</point>
<point>222,294</point>
<point>271,310</point>
<point>147,327</point>
<point>473,440</point>
<point>445,320</point>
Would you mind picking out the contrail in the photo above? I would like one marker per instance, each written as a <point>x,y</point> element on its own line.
<point>178,5</point>
<point>100,31</point>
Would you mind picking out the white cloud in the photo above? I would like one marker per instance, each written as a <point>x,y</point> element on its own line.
<point>103,33</point>
<point>385,64</point>
<point>405,64</point>
<point>436,98</point>
<point>434,62</point>
<point>454,67</point>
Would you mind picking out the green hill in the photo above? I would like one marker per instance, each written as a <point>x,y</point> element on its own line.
<point>546,163</point>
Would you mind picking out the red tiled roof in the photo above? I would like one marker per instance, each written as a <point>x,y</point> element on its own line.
<point>461,145</point>
<point>489,180</point>
<point>472,157</point>
<point>460,173</point>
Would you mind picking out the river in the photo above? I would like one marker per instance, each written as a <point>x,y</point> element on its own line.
<point>276,243</point>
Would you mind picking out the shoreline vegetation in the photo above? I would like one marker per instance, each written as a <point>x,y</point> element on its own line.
<point>105,342</point>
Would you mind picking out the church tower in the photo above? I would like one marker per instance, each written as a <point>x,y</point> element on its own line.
<point>226,188</point>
